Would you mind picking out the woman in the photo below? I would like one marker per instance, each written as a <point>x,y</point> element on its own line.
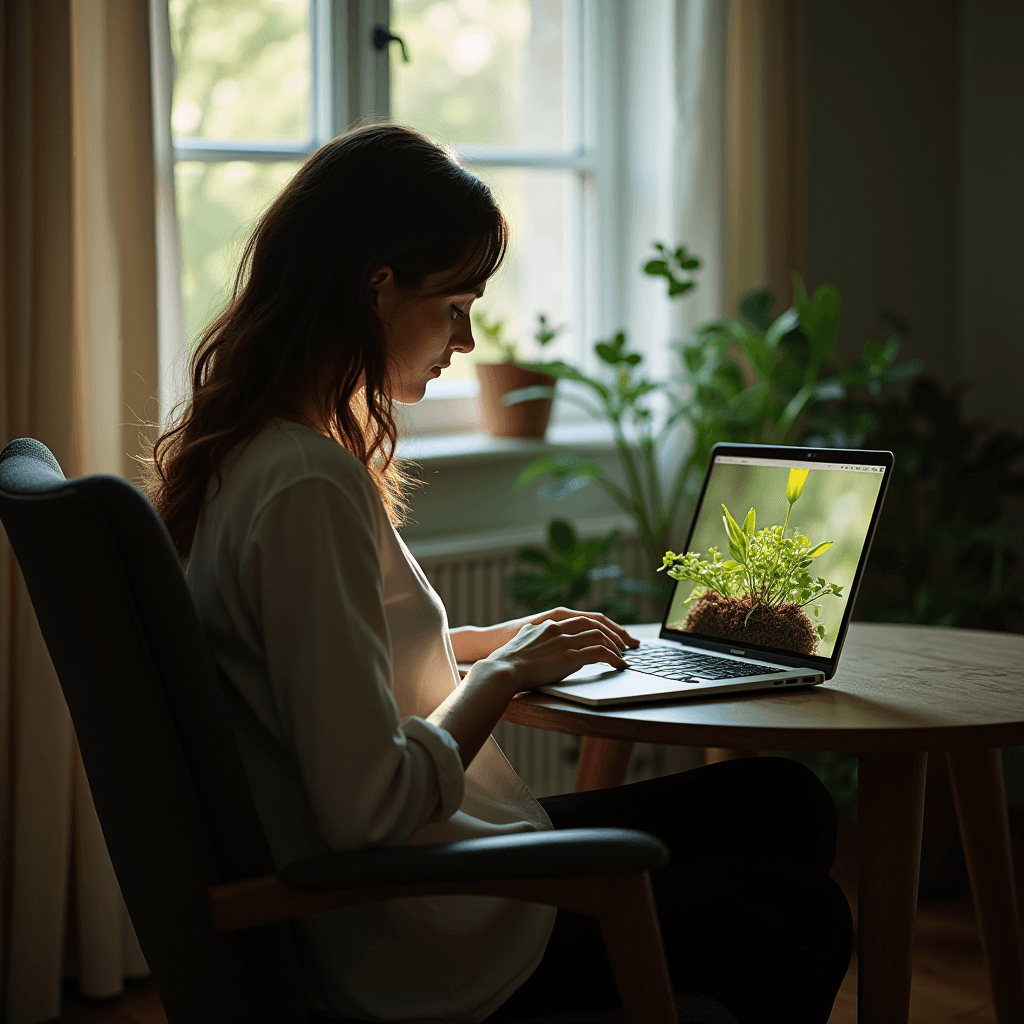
<point>278,485</point>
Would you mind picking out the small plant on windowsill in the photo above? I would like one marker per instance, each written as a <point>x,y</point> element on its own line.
<point>515,401</point>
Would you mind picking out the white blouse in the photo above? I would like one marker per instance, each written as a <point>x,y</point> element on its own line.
<point>323,621</point>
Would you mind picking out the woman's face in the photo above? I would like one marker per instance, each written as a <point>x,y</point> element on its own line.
<point>422,331</point>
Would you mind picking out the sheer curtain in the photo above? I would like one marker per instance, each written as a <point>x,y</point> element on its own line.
<point>78,330</point>
<point>766,174</point>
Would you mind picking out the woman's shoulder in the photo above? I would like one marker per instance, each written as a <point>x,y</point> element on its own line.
<point>285,455</point>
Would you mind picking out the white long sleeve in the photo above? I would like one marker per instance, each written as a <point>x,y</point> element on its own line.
<point>322,621</point>
<point>312,565</point>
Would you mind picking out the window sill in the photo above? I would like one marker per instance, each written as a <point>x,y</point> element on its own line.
<point>477,446</point>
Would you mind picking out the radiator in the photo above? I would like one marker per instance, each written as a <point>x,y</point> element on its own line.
<point>472,589</point>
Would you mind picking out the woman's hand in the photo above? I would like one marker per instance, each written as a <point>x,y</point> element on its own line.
<point>530,652</point>
<point>547,650</point>
<point>472,643</point>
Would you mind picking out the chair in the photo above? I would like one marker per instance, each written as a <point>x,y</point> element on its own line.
<point>180,824</point>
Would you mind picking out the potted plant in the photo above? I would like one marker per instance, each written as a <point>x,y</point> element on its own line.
<point>516,401</point>
<point>758,595</point>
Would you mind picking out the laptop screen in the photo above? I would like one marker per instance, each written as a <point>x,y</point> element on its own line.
<point>776,548</point>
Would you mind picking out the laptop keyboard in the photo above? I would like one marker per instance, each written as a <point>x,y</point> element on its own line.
<point>684,666</point>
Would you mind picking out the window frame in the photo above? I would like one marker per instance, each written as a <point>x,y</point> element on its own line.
<point>343,91</point>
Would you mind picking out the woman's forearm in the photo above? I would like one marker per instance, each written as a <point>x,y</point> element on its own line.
<point>473,709</point>
<point>472,643</point>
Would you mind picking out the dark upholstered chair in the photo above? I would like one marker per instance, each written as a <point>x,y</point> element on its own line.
<point>187,846</point>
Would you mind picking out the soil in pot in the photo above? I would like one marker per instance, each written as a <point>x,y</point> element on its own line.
<point>786,627</point>
<point>523,419</point>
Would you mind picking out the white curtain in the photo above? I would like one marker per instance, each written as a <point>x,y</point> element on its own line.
<point>699,42</point>
<point>673,174</point>
<point>79,358</point>
<point>766,173</point>
<point>172,343</point>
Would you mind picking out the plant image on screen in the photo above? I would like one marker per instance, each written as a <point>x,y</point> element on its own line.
<point>758,596</point>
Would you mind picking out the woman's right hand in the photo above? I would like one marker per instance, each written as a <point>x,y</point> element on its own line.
<point>547,651</point>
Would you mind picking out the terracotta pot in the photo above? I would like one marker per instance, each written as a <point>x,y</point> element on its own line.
<point>523,419</point>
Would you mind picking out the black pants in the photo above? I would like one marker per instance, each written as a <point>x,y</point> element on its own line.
<point>748,912</point>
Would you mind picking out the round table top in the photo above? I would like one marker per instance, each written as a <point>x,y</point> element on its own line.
<point>898,688</point>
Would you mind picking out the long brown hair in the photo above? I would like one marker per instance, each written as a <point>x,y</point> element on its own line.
<point>379,195</point>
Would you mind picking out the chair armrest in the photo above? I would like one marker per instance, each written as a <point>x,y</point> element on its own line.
<point>568,853</point>
<point>573,868</point>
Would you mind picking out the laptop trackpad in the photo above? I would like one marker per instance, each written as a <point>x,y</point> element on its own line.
<point>592,672</point>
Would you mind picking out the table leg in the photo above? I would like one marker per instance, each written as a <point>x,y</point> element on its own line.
<point>891,814</point>
<point>603,763</point>
<point>980,796</point>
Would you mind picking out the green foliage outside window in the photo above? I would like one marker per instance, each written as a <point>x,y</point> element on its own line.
<point>242,75</point>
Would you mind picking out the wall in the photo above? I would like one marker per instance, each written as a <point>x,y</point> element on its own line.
<point>915,143</point>
<point>882,105</point>
<point>992,206</point>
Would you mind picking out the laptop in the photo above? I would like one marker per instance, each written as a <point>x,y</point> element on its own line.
<point>765,584</point>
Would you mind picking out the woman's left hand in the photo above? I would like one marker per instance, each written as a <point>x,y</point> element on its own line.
<point>471,643</point>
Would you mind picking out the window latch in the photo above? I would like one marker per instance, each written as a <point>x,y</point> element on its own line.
<point>381,36</point>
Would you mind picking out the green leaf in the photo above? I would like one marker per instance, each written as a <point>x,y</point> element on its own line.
<point>748,523</point>
<point>530,394</point>
<point>819,320</point>
<point>795,406</point>
<point>873,353</point>
<point>820,631</point>
<point>563,371</point>
<point>787,322</point>
<point>656,268</point>
<point>561,536</point>
<point>534,556</point>
<point>544,466</point>
<point>902,371</point>
<point>756,308</point>
<point>828,390</point>
<point>820,549</point>
<point>737,539</point>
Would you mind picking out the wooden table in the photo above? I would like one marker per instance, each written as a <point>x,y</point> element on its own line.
<point>900,691</point>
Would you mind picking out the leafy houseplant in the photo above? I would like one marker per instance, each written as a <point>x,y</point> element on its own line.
<point>948,548</point>
<point>565,573</point>
<point>752,379</point>
<point>759,595</point>
<point>516,401</point>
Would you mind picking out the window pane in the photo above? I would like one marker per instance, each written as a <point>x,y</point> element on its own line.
<point>537,276</point>
<point>218,205</point>
<point>243,69</point>
<point>486,71</point>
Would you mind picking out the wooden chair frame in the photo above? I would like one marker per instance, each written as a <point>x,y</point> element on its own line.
<point>623,905</point>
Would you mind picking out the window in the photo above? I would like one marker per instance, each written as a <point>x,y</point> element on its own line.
<point>511,85</point>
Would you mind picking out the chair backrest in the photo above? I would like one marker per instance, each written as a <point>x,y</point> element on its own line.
<point>153,728</point>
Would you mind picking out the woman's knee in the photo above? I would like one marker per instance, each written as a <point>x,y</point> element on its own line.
<point>787,799</point>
